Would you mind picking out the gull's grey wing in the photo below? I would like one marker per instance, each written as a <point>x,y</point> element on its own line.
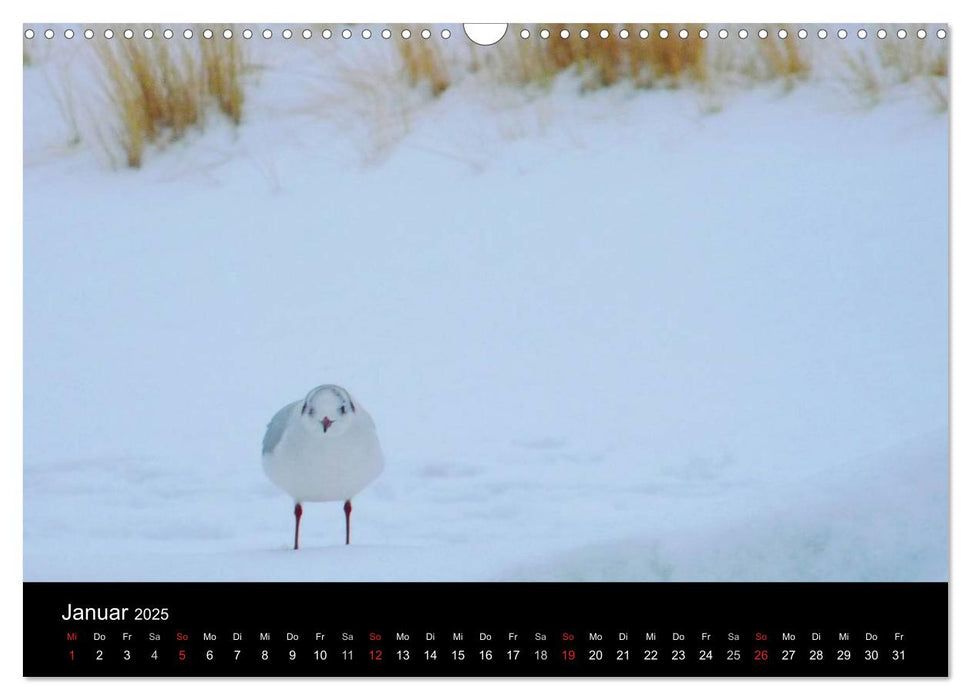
<point>275,428</point>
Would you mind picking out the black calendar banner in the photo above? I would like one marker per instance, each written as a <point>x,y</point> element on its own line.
<point>478,629</point>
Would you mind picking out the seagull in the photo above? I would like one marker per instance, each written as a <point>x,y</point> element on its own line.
<point>323,448</point>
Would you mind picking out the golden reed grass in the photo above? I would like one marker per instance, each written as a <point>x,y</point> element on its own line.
<point>658,56</point>
<point>423,62</point>
<point>159,89</point>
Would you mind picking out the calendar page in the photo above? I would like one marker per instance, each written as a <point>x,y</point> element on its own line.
<point>633,338</point>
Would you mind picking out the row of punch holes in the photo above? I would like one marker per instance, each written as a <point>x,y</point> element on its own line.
<point>446,33</point>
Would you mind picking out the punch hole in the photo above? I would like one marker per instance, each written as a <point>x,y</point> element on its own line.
<point>763,34</point>
<point>921,34</point>
<point>129,34</point>
<point>89,34</point>
<point>446,33</point>
<point>643,34</point>
<point>327,34</point>
<point>385,33</point>
<point>604,33</point>
<point>841,33</point>
<point>366,34</point>
<point>941,34</point>
<point>486,34</point>
<point>882,34</point>
<point>722,33</point>
<point>247,33</point>
<point>663,33</point>
<point>306,34</point>
<point>148,33</point>
<point>29,34</point>
<point>803,34</point>
<point>861,33</point>
<point>68,33</point>
<point>624,33</point>
<point>287,33</point>
<point>743,33</point>
<point>110,34</point>
<point>703,33</point>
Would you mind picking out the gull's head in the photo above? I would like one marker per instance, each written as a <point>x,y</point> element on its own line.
<point>327,410</point>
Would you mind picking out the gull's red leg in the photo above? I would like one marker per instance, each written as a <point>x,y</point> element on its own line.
<point>297,512</point>
<point>347,522</point>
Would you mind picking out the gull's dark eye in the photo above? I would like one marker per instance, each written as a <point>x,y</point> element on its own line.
<point>343,409</point>
<point>311,410</point>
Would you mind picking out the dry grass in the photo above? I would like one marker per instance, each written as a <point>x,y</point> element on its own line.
<point>756,60</point>
<point>64,95</point>
<point>671,61</point>
<point>661,59</point>
<point>861,77</point>
<point>369,100</point>
<point>653,56</point>
<point>913,58</point>
<point>221,65</point>
<point>782,57</point>
<point>937,91</point>
<point>423,62</point>
<point>160,89</point>
<point>604,61</point>
<point>924,62</point>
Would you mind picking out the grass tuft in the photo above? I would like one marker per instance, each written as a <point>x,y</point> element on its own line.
<point>222,65</point>
<point>782,58</point>
<point>158,92</point>
<point>603,61</point>
<point>923,62</point>
<point>423,62</point>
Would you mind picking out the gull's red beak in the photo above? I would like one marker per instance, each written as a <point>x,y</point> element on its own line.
<point>327,422</point>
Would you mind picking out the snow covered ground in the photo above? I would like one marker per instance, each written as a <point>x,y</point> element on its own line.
<point>614,336</point>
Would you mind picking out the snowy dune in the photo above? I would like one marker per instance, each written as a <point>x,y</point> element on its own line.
<point>603,337</point>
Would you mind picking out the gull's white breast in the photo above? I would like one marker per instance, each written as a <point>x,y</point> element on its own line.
<point>322,467</point>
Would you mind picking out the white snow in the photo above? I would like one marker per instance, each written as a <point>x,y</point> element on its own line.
<point>608,336</point>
